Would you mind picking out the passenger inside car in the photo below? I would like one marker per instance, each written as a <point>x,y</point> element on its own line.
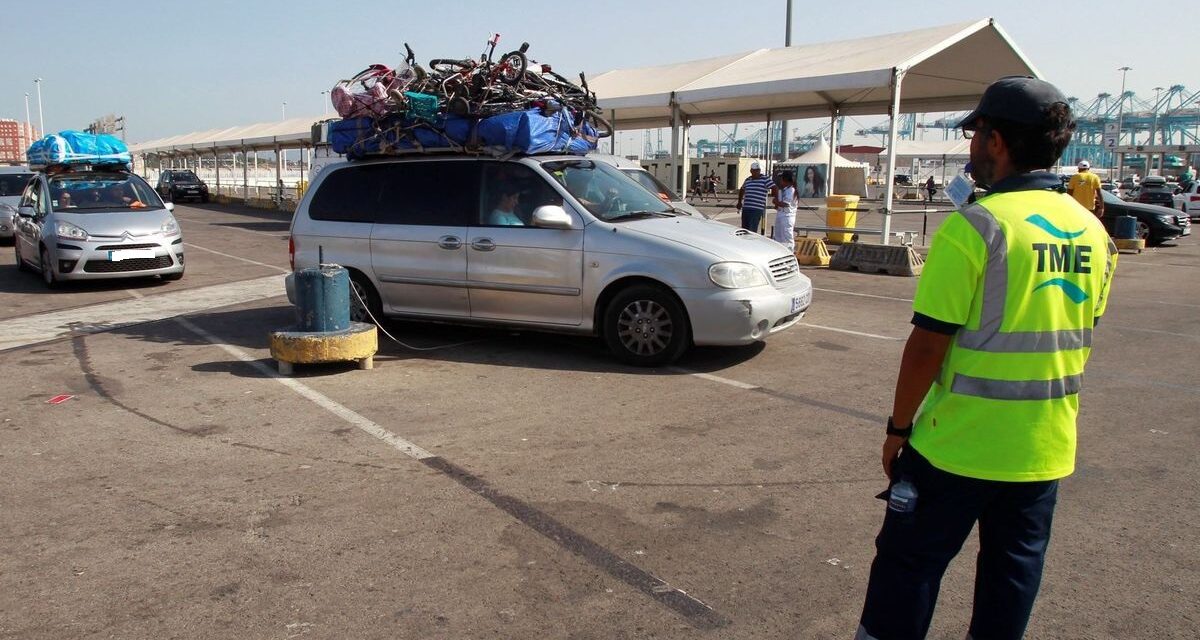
<point>505,212</point>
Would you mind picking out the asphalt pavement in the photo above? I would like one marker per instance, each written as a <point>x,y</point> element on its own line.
<point>486,483</point>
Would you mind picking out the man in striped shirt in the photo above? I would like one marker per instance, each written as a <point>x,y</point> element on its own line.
<point>752,197</point>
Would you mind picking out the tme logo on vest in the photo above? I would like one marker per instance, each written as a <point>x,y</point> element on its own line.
<point>1061,258</point>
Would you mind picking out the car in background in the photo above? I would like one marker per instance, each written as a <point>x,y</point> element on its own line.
<point>1109,185</point>
<point>180,184</point>
<point>647,180</point>
<point>1155,190</point>
<point>91,224</point>
<point>901,179</point>
<point>1187,199</point>
<point>12,183</point>
<point>1155,224</point>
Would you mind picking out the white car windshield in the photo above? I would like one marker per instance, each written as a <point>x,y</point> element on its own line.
<point>605,191</point>
<point>84,193</point>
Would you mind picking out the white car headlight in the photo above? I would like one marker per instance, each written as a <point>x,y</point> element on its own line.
<point>68,230</point>
<point>170,227</point>
<point>736,275</point>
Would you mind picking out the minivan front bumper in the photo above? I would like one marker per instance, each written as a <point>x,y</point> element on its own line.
<point>91,259</point>
<point>742,316</point>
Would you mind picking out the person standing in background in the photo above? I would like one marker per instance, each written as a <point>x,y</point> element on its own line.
<point>930,188</point>
<point>752,198</point>
<point>785,211</point>
<point>1085,187</point>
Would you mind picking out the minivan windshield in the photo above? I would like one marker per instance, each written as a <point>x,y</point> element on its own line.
<point>605,191</point>
<point>647,179</point>
<point>90,192</point>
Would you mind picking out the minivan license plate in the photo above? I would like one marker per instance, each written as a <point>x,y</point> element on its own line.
<point>133,254</point>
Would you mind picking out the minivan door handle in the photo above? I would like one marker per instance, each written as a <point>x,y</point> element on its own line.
<point>449,242</point>
<point>483,244</point>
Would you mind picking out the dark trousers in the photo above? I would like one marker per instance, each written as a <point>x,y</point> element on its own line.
<point>752,219</point>
<point>912,551</point>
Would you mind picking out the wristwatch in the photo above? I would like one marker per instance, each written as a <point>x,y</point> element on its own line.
<point>893,431</point>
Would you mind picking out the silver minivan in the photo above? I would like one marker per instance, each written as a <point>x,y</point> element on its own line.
<point>553,243</point>
<point>94,224</point>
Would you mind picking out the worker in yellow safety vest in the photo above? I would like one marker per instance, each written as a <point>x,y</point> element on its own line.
<point>983,420</point>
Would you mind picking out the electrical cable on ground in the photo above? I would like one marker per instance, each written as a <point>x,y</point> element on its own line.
<point>397,340</point>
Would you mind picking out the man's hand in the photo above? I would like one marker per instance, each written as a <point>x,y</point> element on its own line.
<point>891,451</point>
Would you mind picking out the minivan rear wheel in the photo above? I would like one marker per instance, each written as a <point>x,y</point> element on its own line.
<point>363,298</point>
<point>646,326</point>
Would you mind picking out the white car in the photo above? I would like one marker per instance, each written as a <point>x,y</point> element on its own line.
<point>1187,199</point>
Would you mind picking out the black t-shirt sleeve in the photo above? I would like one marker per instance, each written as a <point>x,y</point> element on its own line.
<point>933,324</point>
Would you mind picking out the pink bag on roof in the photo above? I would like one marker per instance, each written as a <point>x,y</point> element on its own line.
<point>372,101</point>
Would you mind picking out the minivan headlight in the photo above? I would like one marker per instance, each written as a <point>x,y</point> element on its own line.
<point>68,230</point>
<point>736,275</point>
<point>169,228</point>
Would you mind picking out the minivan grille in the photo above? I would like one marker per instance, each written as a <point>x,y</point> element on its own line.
<point>120,247</point>
<point>784,270</point>
<point>122,266</point>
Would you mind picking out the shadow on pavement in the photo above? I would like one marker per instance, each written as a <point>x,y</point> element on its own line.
<point>248,329</point>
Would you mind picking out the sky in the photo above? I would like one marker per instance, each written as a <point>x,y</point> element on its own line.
<point>174,67</point>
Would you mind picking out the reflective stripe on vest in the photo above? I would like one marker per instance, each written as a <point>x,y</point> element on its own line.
<point>1015,389</point>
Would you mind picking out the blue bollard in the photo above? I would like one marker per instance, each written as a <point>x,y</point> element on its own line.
<point>323,298</point>
<point>1127,228</point>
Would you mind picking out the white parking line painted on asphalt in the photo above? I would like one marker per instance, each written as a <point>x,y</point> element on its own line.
<point>1157,331</point>
<point>261,264</point>
<point>1122,261</point>
<point>853,333</point>
<point>862,295</point>
<point>135,293</point>
<point>712,378</point>
<point>42,327</point>
<point>1178,304</point>
<point>312,395</point>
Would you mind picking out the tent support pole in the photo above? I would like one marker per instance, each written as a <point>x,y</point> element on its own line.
<point>612,141</point>
<point>890,188</point>
<point>678,178</point>
<point>767,153</point>
<point>245,177</point>
<point>685,135</point>
<point>834,113</point>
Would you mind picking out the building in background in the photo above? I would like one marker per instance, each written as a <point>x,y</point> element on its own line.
<point>15,138</point>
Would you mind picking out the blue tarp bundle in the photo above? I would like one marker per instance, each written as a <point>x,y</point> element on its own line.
<point>77,147</point>
<point>526,132</point>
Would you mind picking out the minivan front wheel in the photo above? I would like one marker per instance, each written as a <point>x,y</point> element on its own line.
<point>646,326</point>
<point>363,299</point>
<point>47,269</point>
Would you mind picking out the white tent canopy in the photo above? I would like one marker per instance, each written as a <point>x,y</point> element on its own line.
<point>291,133</point>
<point>960,148</point>
<point>819,154</point>
<point>936,69</point>
<point>945,69</point>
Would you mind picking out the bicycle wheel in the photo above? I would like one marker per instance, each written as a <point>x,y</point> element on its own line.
<point>446,65</point>
<point>512,68</point>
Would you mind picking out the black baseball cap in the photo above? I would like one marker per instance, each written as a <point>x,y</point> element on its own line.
<point>1021,99</point>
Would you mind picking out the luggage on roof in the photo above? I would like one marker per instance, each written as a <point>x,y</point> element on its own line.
<point>75,148</point>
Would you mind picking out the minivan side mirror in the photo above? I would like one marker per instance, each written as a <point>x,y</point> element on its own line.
<point>169,205</point>
<point>552,216</point>
<point>25,211</point>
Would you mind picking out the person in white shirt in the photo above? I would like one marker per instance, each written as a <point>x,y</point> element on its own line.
<point>785,211</point>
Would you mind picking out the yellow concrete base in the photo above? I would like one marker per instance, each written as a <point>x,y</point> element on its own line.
<point>812,251</point>
<point>1136,245</point>
<point>358,344</point>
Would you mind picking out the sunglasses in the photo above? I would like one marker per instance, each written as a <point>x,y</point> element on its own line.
<point>969,130</point>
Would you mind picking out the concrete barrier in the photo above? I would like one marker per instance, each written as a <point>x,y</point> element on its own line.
<point>897,260</point>
<point>812,252</point>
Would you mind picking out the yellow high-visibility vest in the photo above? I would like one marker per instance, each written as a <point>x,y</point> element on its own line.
<point>1024,275</point>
